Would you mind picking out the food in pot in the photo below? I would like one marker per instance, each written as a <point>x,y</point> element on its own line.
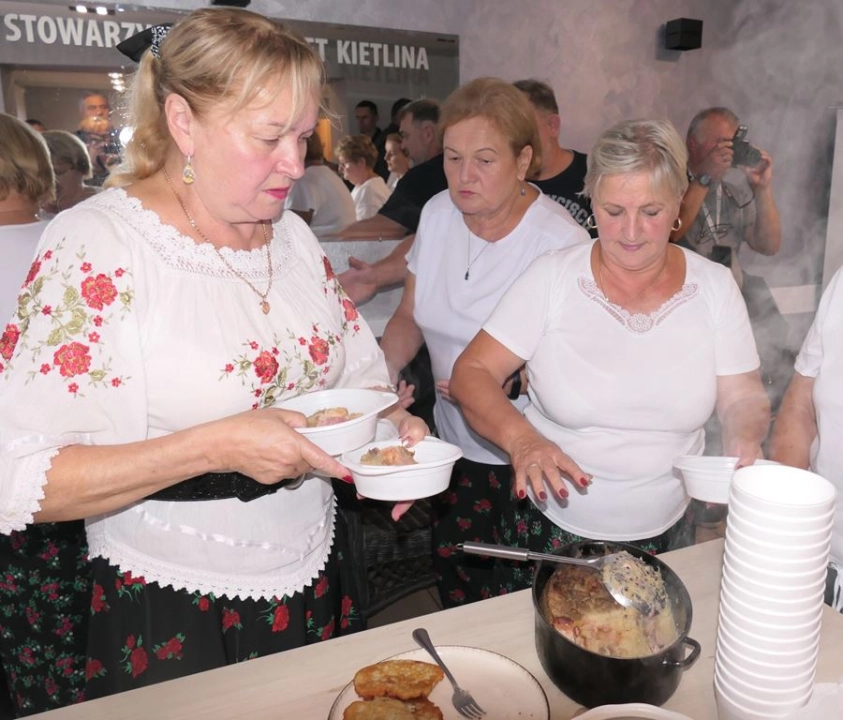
<point>385,708</point>
<point>640,584</point>
<point>330,416</point>
<point>400,679</point>
<point>578,605</point>
<point>392,455</point>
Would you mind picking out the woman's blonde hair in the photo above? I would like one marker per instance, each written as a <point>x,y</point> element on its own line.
<point>214,56</point>
<point>25,166</point>
<point>504,106</point>
<point>66,148</point>
<point>358,147</point>
<point>636,146</point>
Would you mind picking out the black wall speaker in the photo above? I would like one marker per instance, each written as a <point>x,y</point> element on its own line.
<point>683,34</point>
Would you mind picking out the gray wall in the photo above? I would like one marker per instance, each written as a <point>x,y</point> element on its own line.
<point>777,63</point>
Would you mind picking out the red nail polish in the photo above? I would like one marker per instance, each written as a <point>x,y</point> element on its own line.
<point>347,479</point>
<point>542,495</point>
<point>585,481</point>
<point>521,494</point>
<point>563,493</point>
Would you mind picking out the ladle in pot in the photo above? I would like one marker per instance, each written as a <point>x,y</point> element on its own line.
<point>629,581</point>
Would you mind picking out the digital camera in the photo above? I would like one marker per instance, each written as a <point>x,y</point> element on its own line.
<point>744,153</point>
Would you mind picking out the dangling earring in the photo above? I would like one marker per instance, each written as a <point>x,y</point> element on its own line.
<point>677,225</point>
<point>523,191</point>
<point>591,223</point>
<point>187,175</point>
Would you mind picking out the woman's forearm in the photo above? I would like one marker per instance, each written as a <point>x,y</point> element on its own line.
<point>87,480</point>
<point>486,407</point>
<point>747,419</point>
<point>796,425</point>
<point>401,340</point>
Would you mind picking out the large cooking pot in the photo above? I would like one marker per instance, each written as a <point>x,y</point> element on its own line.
<point>591,679</point>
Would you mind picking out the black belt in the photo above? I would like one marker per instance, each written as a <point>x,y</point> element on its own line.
<point>220,486</point>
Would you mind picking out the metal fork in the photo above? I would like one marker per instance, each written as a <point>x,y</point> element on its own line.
<point>462,700</point>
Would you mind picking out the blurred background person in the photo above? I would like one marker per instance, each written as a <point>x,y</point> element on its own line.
<point>630,343</point>
<point>356,155</point>
<point>36,123</point>
<point>99,135</point>
<point>473,241</point>
<point>396,108</point>
<point>366,116</point>
<point>397,161</point>
<point>319,196</point>
<point>72,167</point>
<point>45,593</point>
<point>809,425</point>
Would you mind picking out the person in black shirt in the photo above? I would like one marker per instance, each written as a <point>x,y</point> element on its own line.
<point>562,174</point>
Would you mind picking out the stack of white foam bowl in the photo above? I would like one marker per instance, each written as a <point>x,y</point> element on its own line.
<point>771,595</point>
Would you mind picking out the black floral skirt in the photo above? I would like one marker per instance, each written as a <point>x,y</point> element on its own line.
<point>471,509</point>
<point>142,633</point>
<point>44,601</point>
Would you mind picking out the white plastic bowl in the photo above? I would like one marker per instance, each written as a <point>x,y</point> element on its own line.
<point>783,490</point>
<point>745,665</point>
<point>783,588</point>
<point>430,475</point>
<point>786,551</point>
<point>630,710</point>
<point>342,437</point>
<point>748,707</point>
<point>732,616</point>
<point>775,521</point>
<point>741,566</point>
<point>777,535</point>
<point>768,642</point>
<point>768,598</point>
<point>708,477</point>
<point>801,652</point>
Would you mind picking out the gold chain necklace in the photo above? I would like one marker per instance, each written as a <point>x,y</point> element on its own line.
<point>468,261</point>
<point>261,295</point>
<point>601,264</point>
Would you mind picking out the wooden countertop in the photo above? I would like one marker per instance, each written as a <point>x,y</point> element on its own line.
<point>304,683</point>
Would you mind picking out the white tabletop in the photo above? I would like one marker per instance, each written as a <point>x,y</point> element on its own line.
<point>304,683</point>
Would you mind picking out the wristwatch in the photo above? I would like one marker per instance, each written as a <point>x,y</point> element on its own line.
<point>704,180</point>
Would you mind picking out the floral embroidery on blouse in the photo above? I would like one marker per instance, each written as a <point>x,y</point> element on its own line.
<point>269,371</point>
<point>73,346</point>
<point>638,322</point>
<point>349,309</point>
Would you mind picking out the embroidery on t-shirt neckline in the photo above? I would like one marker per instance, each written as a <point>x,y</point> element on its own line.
<point>638,322</point>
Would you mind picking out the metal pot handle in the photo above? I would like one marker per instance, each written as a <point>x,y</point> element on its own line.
<point>685,663</point>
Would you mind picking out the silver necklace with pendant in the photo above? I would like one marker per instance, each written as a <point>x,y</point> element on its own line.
<point>468,260</point>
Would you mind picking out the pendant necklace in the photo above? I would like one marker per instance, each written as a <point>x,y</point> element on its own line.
<point>264,304</point>
<point>468,261</point>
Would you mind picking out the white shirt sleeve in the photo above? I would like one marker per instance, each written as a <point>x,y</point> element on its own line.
<point>72,372</point>
<point>735,350</point>
<point>810,358</point>
<point>520,320</point>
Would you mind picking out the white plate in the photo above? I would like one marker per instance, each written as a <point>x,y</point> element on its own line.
<point>502,687</point>
<point>429,476</point>
<point>630,710</point>
<point>339,438</point>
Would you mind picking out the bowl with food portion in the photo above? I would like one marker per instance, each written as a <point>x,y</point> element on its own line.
<point>386,470</point>
<point>599,652</point>
<point>340,419</point>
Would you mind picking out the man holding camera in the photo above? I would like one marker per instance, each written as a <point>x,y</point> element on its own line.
<point>718,216</point>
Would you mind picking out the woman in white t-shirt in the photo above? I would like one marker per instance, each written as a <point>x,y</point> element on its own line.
<point>630,343</point>
<point>810,421</point>
<point>472,242</point>
<point>357,156</point>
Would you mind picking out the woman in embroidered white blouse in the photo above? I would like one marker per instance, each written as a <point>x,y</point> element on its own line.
<point>160,323</point>
<point>630,344</point>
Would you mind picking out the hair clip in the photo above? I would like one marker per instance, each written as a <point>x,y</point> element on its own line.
<point>148,39</point>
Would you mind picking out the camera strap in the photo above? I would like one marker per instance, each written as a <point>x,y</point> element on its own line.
<point>714,223</point>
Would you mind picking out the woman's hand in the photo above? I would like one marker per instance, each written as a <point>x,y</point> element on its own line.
<point>264,445</point>
<point>405,394</point>
<point>746,451</point>
<point>443,387</point>
<point>412,430</point>
<point>540,461</point>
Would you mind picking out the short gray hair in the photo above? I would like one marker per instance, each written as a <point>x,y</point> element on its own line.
<point>633,146</point>
<point>704,115</point>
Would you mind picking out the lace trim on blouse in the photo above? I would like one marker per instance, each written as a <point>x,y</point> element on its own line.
<point>27,492</point>
<point>253,587</point>
<point>638,322</point>
<point>183,253</point>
